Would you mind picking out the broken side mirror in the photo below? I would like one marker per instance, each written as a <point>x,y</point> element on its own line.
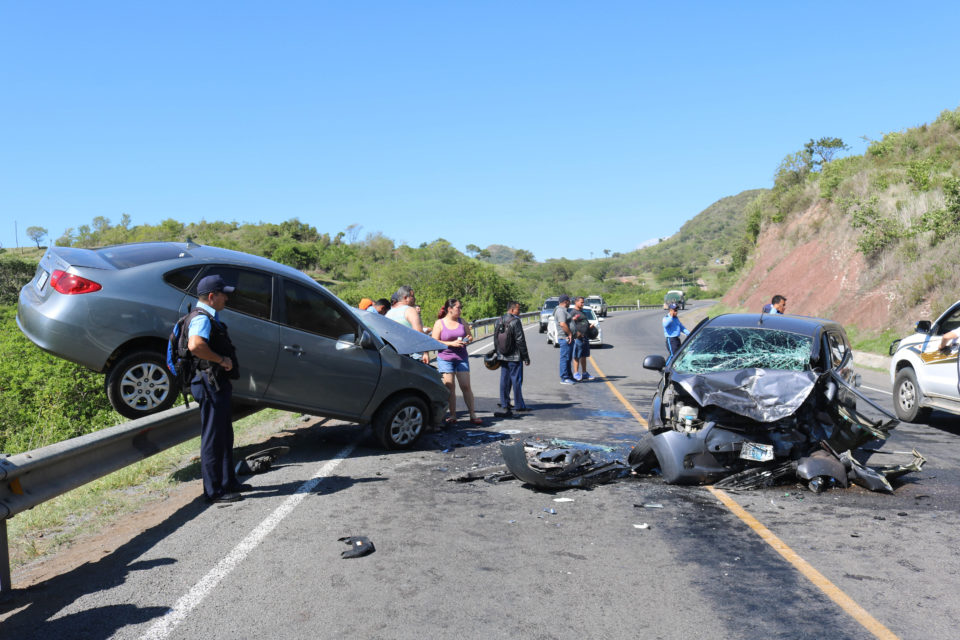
<point>923,326</point>
<point>655,363</point>
<point>366,340</point>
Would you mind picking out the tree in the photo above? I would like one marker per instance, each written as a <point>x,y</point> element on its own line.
<point>36,234</point>
<point>473,250</point>
<point>606,252</point>
<point>824,149</point>
<point>522,256</point>
<point>793,169</point>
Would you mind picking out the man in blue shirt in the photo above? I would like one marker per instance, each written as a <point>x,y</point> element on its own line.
<point>672,329</point>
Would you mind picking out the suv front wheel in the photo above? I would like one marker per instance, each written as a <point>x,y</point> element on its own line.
<point>139,384</point>
<point>906,397</point>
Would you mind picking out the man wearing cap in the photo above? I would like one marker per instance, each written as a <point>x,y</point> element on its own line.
<point>215,360</point>
<point>564,338</point>
<point>672,329</point>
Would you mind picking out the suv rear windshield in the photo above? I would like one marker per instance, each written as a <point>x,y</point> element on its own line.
<point>731,348</point>
<point>594,301</point>
<point>134,255</point>
<point>550,304</point>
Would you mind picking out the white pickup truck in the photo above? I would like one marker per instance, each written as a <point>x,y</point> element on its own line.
<point>924,377</point>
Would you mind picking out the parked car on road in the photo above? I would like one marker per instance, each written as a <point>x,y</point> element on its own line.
<point>591,317</point>
<point>299,346</point>
<point>923,377</point>
<point>598,305</point>
<point>546,311</point>
<point>759,395</point>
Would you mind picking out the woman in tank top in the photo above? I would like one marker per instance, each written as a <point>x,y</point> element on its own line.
<point>453,362</point>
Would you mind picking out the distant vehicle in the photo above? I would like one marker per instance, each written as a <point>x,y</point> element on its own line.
<point>299,347</point>
<point>923,377</point>
<point>546,312</point>
<point>598,305</point>
<point>675,296</point>
<point>552,331</point>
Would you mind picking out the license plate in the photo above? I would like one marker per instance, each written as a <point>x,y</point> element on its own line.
<point>757,452</point>
<point>42,280</point>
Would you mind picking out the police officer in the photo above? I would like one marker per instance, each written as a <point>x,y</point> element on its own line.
<point>673,329</point>
<point>215,356</point>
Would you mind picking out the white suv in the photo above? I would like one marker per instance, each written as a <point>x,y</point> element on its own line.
<point>924,377</point>
<point>598,305</point>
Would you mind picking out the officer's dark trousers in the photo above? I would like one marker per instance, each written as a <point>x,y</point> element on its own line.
<point>673,345</point>
<point>511,375</point>
<point>216,435</point>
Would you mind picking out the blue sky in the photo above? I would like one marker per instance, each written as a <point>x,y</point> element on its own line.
<point>564,128</point>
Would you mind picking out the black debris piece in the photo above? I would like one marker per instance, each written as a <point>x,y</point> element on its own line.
<point>562,468</point>
<point>359,546</point>
<point>260,461</point>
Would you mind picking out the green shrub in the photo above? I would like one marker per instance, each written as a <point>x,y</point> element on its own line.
<point>44,399</point>
<point>14,273</point>
<point>918,173</point>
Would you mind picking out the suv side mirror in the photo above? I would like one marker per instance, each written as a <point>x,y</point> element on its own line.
<point>654,363</point>
<point>923,326</point>
<point>366,340</point>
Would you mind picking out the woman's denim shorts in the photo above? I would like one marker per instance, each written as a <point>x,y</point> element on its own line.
<point>450,366</point>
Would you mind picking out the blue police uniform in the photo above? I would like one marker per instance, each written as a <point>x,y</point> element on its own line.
<point>213,392</point>
<point>672,329</point>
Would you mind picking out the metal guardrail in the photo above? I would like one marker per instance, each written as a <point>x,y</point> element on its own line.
<point>27,479</point>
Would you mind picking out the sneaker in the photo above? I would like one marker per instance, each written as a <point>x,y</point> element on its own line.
<point>524,410</point>
<point>577,376</point>
<point>567,381</point>
<point>226,497</point>
<point>586,376</point>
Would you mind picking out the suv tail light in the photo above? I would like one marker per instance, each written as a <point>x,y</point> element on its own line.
<point>70,284</point>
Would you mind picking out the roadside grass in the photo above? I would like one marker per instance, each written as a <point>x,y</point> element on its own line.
<point>872,342</point>
<point>55,524</point>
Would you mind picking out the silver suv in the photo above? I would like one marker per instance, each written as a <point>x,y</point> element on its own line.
<point>299,347</point>
<point>598,304</point>
<point>923,377</point>
<point>546,311</point>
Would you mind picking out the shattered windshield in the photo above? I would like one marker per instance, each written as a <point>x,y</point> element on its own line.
<point>731,348</point>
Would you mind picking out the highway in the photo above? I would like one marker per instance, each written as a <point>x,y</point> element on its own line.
<point>490,560</point>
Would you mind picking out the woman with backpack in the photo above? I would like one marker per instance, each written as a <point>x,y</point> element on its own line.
<point>453,362</point>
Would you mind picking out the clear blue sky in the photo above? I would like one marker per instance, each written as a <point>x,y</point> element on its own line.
<point>564,128</point>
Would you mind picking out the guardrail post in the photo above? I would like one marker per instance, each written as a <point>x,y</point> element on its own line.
<point>6,589</point>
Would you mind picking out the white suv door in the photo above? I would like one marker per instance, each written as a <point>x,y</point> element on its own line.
<point>939,377</point>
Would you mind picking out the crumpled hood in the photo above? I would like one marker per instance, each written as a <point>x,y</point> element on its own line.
<point>764,395</point>
<point>402,338</point>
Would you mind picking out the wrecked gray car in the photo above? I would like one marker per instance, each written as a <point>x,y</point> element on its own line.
<point>756,398</point>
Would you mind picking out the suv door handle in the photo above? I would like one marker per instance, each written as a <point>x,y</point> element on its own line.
<point>293,349</point>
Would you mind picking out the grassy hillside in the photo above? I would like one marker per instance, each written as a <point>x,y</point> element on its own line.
<point>899,202</point>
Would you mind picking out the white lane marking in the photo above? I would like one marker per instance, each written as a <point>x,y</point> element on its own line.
<point>165,625</point>
<point>889,393</point>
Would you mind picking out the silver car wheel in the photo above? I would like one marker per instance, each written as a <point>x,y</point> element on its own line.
<point>406,425</point>
<point>907,395</point>
<point>145,386</point>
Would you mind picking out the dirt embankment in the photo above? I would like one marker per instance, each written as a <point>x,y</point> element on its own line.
<point>813,261</point>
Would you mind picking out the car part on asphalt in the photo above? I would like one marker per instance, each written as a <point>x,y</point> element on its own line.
<point>261,461</point>
<point>559,468</point>
<point>359,546</point>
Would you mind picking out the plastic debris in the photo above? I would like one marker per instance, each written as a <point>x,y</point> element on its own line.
<point>552,512</point>
<point>641,526</point>
<point>563,499</point>
<point>359,546</point>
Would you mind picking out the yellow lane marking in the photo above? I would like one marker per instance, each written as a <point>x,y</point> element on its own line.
<point>832,591</point>
<point>619,395</point>
<point>829,589</point>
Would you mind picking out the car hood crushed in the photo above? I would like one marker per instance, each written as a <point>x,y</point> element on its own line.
<point>749,428</point>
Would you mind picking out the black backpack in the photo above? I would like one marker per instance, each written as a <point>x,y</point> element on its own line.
<point>180,361</point>
<point>503,337</point>
<point>579,325</point>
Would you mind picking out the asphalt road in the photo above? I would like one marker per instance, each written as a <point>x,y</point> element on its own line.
<point>483,560</point>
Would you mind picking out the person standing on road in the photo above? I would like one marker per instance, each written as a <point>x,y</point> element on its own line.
<point>453,362</point>
<point>215,365</point>
<point>581,341</point>
<point>405,312</point>
<point>672,329</point>
<point>564,338</point>
<point>513,354</point>
<point>947,340</point>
